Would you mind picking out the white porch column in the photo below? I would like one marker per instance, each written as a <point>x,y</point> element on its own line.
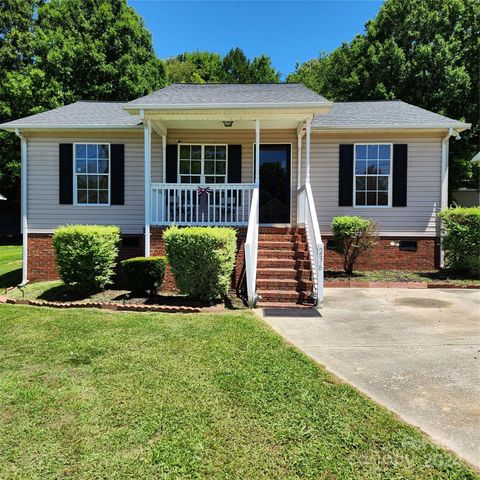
<point>147,145</point>
<point>257,152</point>
<point>299,158</point>
<point>164,158</point>
<point>307,151</point>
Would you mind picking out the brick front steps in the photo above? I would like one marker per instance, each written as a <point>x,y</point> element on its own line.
<point>283,268</point>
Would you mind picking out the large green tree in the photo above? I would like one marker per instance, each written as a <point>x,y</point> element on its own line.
<point>61,51</point>
<point>195,67</point>
<point>234,67</point>
<point>425,52</point>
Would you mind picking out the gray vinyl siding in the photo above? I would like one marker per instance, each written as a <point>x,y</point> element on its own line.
<point>44,210</point>
<point>418,218</point>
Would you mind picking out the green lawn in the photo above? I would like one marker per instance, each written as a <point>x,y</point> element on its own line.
<point>10,265</point>
<point>95,394</point>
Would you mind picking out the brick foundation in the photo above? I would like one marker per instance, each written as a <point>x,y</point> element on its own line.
<point>384,256</point>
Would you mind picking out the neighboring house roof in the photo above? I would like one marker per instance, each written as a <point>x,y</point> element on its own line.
<point>476,158</point>
<point>82,114</point>
<point>181,95</point>
<point>382,114</point>
<point>2,197</point>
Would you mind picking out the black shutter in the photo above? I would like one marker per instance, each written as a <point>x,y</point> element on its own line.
<point>65,169</point>
<point>399,174</point>
<point>171,164</point>
<point>234,164</point>
<point>117,174</point>
<point>345,176</point>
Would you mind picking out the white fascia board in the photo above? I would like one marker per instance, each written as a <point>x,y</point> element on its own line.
<point>70,127</point>
<point>394,126</point>
<point>227,106</point>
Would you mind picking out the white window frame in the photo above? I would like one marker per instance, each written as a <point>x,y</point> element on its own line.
<point>75,174</point>
<point>390,177</point>
<point>202,160</point>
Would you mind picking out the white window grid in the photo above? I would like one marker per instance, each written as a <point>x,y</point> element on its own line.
<point>372,175</point>
<point>76,175</point>
<point>200,156</point>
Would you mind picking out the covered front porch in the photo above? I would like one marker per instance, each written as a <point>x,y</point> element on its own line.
<point>201,169</point>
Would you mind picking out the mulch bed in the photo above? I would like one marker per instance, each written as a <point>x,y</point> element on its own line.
<point>132,303</point>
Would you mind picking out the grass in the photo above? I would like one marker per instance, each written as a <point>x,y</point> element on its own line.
<point>438,276</point>
<point>10,265</point>
<point>92,394</point>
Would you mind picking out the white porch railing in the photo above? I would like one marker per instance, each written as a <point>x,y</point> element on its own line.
<point>307,215</point>
<point>251,249</point>
<point>182,204</point>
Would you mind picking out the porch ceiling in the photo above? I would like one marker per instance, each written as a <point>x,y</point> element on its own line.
<point>218,124</point>
<point>213,119</point>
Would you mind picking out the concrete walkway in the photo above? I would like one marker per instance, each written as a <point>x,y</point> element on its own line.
<point>414,351</point>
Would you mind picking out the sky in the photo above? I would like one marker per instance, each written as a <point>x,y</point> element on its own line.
<point>287,31</point>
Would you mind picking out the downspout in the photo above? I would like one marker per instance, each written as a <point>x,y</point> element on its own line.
<point>444,184</point>
<point>147,151</point>
<point>23,206</point>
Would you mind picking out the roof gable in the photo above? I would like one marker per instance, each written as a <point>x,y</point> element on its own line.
<point>233,95</point>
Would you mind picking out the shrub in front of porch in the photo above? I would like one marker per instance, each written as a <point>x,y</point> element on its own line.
<point>201,259</point>
<point>86,255</point>
<point>461,239</point>
<point>145,274</point>
<point>353,236</point>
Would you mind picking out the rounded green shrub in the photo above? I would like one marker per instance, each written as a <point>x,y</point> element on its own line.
<point>145,274</point>
<point>201,259</point>
<point>353,236</point>
<point>461,239</point>
<point>86,255</point>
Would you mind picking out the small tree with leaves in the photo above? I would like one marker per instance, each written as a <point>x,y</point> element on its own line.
<point>353,236</point>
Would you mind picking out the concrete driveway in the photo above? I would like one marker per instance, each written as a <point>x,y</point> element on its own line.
<point>414,351</point>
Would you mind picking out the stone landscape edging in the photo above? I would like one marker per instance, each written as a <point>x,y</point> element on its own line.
<point>132,307</point>
<point>414,285</point>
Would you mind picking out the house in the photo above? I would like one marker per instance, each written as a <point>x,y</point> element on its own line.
<point>139,165</point>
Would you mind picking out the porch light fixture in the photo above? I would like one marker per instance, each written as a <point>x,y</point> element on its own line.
<point>227,123</point>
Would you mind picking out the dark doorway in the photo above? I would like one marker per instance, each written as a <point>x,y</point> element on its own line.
<point>275,187</point>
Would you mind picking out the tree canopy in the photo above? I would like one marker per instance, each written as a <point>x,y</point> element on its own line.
<point>425,52</point>
<point>54,53</point>
<point>234,67</point>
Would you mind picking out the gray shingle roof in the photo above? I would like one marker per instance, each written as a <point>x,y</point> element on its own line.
<point>347,115</point>
<point>79,114</point>
<point>230,94</point>
<point>382,114</point>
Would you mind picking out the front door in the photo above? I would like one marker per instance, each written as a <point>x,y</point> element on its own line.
<point>275,187</point>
